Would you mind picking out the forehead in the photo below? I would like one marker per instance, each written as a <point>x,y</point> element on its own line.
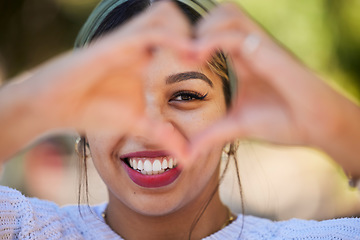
<point>166,63</point>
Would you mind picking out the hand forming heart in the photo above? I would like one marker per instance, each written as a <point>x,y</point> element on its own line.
<point>278,99</point>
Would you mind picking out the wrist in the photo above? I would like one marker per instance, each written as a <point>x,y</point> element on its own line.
<point>343,141</point>
<point>16,120</point>
<point>22,107</point>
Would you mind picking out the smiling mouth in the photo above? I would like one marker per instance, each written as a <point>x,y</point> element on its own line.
<point>151,166</point>
<point>151,169</point>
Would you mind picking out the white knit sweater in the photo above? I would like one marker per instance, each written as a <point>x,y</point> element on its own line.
<point>30,218</point>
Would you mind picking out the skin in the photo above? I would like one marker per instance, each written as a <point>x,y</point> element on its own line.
<point>170,210</point>
<point>314,115</point>
<point>78,91</point>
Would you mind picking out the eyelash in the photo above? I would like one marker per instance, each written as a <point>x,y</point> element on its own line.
<point>190,94</point>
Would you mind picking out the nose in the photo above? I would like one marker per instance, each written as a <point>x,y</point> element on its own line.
<point>153,107</point>
<point>155,111</point>
<point>152,139</point>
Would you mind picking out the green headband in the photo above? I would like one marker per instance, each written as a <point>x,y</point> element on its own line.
<point>105,7</point>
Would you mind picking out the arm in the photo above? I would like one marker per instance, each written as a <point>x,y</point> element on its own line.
<point>344,143</point>
<point>19,119</point>
<point>279,100</point>
<point>93,89</point>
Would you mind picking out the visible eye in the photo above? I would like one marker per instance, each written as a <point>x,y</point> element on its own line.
<point>187,96</point>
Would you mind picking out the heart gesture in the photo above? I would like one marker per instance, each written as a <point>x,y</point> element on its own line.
<point>95,89</point>
<point>100,88</point>
<point>278,99</point>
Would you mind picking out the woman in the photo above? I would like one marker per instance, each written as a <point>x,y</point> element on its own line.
<point>156,116</point>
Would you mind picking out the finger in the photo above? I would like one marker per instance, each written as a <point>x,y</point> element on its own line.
<point>160,37</point>
<point>140,44</point>
<point>221,132</point>
<point>265,59</point>
<point>228,16</point>
<point>229,28</point>
<point>165,25</point>
<point>166,136</point>
<point>230,42</point>
<point>106,115</point>
<point>168,27</point>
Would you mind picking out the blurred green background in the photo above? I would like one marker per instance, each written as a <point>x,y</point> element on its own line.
<point>325,34</point>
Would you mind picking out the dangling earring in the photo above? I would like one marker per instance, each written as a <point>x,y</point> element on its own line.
<point>225,152</point>
<point>226,148</point>
<point>82,147</point>
<point>354,182</point>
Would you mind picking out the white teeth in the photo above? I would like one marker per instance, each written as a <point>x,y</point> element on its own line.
<point>147,166</point>
<point>171,163</point>
<point>140,165</point>
<point>164,164</point>
<point>156,166</point>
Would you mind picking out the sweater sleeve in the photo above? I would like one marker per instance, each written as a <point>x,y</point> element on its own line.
<point>15,213</point>
<point>339,229</point>
<point>30,218</point>
<point>251,227</point>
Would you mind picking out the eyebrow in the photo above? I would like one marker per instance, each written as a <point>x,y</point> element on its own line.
<point>186,76</point>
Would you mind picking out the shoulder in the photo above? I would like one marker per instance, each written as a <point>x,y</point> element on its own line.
<point>14,203</point>
<point>30,218</point>
<point>89,221</point>
<point>341,228</point>
<point>251,227</point>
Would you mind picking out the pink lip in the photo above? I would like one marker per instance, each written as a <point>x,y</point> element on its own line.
<point>150,181</point>
<point>145,154</point>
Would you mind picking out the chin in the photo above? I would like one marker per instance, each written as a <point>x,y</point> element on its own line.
<point>156,206</point>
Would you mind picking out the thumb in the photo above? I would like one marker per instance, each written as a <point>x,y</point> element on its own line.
<point>165,135</point>
<point>224,131</point>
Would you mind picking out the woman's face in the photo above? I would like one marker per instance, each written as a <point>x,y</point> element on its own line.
<point>188,98</point>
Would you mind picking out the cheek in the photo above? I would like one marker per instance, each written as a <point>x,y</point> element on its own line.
<point>193,122</point>
<point>101,149</point>
<point>103,145</point>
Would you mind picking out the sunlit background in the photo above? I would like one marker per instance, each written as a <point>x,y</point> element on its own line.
<point>278,183</point>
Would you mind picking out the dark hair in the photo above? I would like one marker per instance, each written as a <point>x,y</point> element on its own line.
<point>127,10</point>
<point>121,14</point>
<point>118,16</point>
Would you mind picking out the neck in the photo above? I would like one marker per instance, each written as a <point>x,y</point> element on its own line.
<point>177,225</point>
